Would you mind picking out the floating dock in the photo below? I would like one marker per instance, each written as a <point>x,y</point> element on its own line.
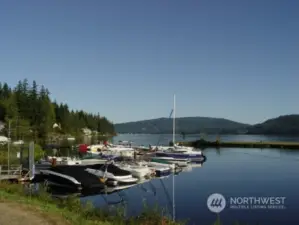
<point>240,144</point>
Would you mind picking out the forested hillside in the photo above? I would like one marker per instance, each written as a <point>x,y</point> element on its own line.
<point>187,125</point>
<point>282,125</point>
<point>32,114</point>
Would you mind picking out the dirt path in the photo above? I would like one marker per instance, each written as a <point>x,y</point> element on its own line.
<point>15,214</point>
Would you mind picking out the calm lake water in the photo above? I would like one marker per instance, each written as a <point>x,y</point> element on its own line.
<point>232,172</point>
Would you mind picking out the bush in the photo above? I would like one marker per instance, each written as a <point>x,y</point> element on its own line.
<point>15,149</point>
<point>72,210</point>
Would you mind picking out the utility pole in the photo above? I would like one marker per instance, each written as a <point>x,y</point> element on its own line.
<point>8,146</point>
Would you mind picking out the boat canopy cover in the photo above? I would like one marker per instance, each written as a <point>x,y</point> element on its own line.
<point>111,169</point>
<point>78,172</point>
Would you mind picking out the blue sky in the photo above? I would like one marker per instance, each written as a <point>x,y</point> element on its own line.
<point>125,59</point>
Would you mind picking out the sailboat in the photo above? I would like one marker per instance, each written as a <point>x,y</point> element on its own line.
<point>178,153</point>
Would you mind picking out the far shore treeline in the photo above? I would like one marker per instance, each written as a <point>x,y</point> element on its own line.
<point>34,116</point>
<point>282,125</point>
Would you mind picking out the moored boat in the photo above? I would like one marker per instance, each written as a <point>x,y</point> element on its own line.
<point>172,166</point>
<point>193,156</point>
<point>160,169</point>
<point>71,177</point>
<point>171,160</point>
<point>113,174</point>
<point>136,170</point>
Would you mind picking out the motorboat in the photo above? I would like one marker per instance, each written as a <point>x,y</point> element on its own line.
<point>181,154</point>
<point>182,148</point>
<point>61,160</point>
<point>69,161</point>
<point>118,152</point>
<point>170,160</point>
<point>91,159</point>
<point>122,145</point>
<point>71,177</point>
<point>160,169</point>
<point>136,170</point>
<point>160,148</point>
<point>171,166</point>
<point>112,173</point>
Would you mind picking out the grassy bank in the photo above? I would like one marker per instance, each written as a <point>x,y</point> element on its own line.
<point>71,211</point>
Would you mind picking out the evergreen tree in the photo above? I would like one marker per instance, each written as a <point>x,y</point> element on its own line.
<point>32,114</point>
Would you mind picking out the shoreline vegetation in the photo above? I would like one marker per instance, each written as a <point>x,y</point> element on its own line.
<point>71,211</point>
<point>28,113</point>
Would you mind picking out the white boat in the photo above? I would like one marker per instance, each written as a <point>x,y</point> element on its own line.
<point>176,147</point>
<point>171,166</point>
<point>113,153</point>
<point>123,149</point>
<point>118,153</point>
<point>182,148</point>
<point>122,145</point>
<point>170,160</point>
<point>65,160</point>
<point>160,169</point>
<point>93,161</point>
<point>161,148</point>
<point>95,148</point>
<point>182,154</point>
<point>112,173</point>
<point>137,171</point>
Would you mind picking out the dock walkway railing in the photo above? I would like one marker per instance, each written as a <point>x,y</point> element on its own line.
<point>11,172</point>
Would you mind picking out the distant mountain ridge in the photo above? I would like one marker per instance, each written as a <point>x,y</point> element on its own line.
<point>282,125</point>
<point>187,125</point>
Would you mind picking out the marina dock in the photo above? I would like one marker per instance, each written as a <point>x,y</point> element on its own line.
<point>240,144</point>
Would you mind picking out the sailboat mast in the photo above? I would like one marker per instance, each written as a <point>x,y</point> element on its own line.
<point>173,141</point>
<point>173,125</point>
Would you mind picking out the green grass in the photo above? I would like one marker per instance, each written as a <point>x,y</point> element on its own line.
<point>73,212</point>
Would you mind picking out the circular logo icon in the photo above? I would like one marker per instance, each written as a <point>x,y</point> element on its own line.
<point>216,202</point>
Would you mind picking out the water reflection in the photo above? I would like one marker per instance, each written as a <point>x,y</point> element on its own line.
<point>123,195</point>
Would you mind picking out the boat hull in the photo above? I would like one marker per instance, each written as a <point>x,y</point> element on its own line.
<point>72,176</point>
<point>192,157</point>
<point>163,172</point>
<point>170,160</point>
<point>136,171</point>
<point>167,164</point>
<point>113,179</point>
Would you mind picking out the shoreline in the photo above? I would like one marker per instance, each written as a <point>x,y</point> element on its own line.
<point>242,144</point>
<point>71,210</point>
